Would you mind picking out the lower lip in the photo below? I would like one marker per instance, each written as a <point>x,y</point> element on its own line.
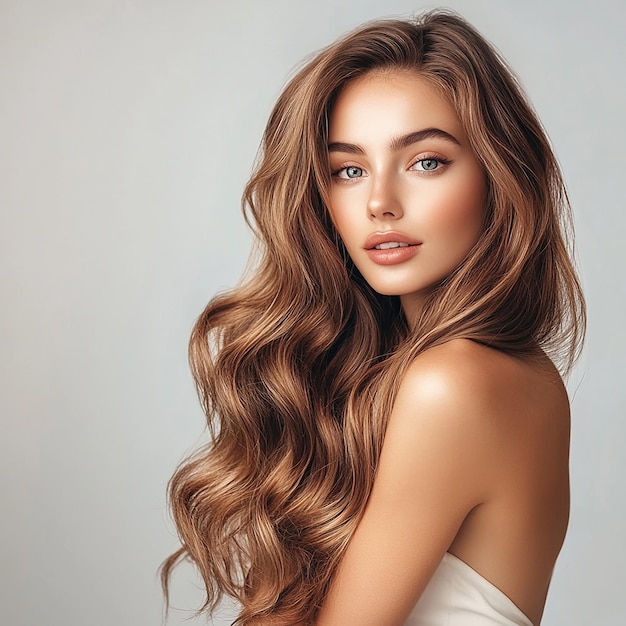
<point>392,256</point>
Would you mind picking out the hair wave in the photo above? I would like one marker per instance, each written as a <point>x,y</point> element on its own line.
<point>298,367</point>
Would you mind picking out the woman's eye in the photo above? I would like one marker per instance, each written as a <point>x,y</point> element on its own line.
<point>427,165</point>
<point>352,171</point>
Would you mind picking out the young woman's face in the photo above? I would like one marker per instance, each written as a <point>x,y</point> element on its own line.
<point>407,194</point>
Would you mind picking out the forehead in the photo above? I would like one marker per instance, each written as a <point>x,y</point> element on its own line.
<point>389,103</point>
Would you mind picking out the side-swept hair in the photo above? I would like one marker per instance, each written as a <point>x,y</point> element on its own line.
<point>297,368</point>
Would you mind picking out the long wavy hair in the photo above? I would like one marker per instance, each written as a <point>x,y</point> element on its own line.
<point>298,367</point>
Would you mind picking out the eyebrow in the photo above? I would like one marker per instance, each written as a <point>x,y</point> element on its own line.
<point>397,143</point>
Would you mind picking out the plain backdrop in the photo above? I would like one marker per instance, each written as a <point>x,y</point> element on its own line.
<point>127,132</point>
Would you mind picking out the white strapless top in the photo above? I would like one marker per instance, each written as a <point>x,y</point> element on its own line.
<point>458,595</point>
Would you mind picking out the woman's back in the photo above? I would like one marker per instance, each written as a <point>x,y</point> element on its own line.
<point>514,536</point>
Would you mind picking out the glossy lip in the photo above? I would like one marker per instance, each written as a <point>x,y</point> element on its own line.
<point>391,256</point>
<point>375,239</point>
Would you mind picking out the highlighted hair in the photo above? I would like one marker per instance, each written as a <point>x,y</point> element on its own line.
<point>297,369</point>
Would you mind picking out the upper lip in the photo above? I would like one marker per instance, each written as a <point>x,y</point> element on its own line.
<point>375,239</point>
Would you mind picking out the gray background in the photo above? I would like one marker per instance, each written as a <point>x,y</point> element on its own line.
<point>127,131</point>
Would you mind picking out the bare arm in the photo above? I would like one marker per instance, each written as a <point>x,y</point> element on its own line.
<point>438,454</point>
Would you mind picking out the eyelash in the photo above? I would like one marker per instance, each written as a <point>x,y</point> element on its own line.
<point>345,180</point>
<point>440,161</point>
<point>335,173</point>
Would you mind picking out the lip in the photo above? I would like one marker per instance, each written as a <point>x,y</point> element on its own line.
<point>375,239</point>
<point>391,256</point>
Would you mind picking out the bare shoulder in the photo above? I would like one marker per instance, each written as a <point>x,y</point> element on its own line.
<point>460,470</point>
<point>487,403</point>
<point>481,380</point>
<point>505,422</point>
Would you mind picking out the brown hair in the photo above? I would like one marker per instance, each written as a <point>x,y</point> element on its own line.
<point>297,368</point>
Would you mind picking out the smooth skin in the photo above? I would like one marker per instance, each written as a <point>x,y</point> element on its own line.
<point>475,458</point>
<point>475,462</point>
<point>400,163</point>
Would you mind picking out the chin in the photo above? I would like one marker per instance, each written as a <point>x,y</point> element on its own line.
<point>387,290</point>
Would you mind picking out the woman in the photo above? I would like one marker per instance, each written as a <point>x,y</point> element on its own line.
<point>389,433</point>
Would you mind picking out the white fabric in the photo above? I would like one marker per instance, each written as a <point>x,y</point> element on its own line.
<point>458,595</point>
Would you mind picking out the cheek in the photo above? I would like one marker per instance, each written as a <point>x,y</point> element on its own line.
<point>344,221</point>
<point>460,209</point>
<point>336,218</point>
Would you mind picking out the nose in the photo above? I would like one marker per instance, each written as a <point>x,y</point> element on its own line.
<point>383,202</point>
